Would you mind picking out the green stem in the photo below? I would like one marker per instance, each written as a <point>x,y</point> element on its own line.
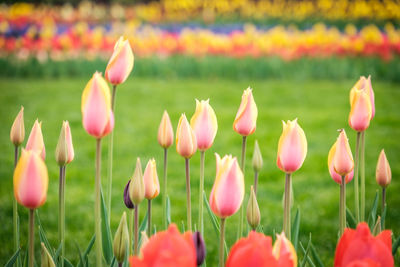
<point>31,237</point>
<point>342,208</point>
<point>255,182</point>
<point>221,243</point>
<point>356,183</point>
<point>383,206</point>
<point>97,211</point>
<point>132,211</point>
<point>201,223</point>
<point>149,218</point>
<point>110,157</point>
<point>188,202</point>
<point>242,166</point>
<point>164,195</point>
<point>286,207</point>
<point>61,213</point>
<point>136,244</point>
<point>362,170</point>
<point>15,211</point>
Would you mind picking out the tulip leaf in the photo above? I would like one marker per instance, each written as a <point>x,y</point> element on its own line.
<point>295,229</point>
<point>316,257</point>
<point>13,259</point>
<point>26,257</point>
<point>42,236</point>
<point>168,211</point>
<point>212,216</point>
<point>112,262</point>
<point>372,214</point>
<point>309,260</point>
<point>396,245</point>
<point>306,251</point>
<point>351,220</point>
<point>383,217</point>
<point>67,263</point>
<point>57,254</point>
<point>105,232</point>
<point>79,252</point>
<point>143,226</point>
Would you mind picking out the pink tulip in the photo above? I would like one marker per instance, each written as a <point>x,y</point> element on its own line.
<point>366,86</point>
<point>204,124</point>
<point>186,144</point>
<point>343,162</point>
<point>335,176</point>
<point>228,190</point>
<point>246,117</point>
<point>165,131</point>
<point>121,62</point>
<point>292,147</point>
<point>361,111</point>
<point>30,180</point>
<point>97,116</point>
<point>151,183</point>
<point>17,133</point>
<point>383,172</point>
<point>35,140</point>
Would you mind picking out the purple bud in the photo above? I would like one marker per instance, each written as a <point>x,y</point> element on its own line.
<point>200,248</point>
<point>127,199</point>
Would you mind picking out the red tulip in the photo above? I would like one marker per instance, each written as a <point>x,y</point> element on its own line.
<point>168,249</point>
<point>360,248</point>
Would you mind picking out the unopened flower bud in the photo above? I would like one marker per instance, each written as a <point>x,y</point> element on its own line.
<point>64,150</point>
<point>121,240</point>
<point>144,239</point>
<point>383,172</point>
<point>136,187</point>
<point>17,133</point>
<point>257,158</point>
<point>253,211</point>
<point>46,259</point>
<point>200,246</point>
<point>127,199</point>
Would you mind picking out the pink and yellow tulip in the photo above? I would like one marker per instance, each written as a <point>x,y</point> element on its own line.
<point>343,162</point>
<point>361,111</point>
<point>35,140</point>
<point>121,62</point>
<point>383,172</point>
<point>204,124</point>
<point>246,117</point>
<point>17,133</point>
<point>186,143</point>
<point>335,176</point>
<point>165,132</point>
<point>151,183</point>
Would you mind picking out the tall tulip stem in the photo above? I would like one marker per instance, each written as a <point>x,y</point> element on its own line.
<point>342,208</point>
<point>110,157</point>
<point>149,218</point>
<point>286,207</point>
<point>383,205</point>
<point>97,211</point>
<point>201,223</point>
<point>255,181</point>
<point>362,171</point>
<point>61,213</point>
<point>242,166</point>
<point>31,237</point>
<point>164,194</point>
<point>131,222</point>
<point>136,242</point>
<point>15,211</point>
<point>356,183</point>
<point>189,209</point>
<point>221,243</point>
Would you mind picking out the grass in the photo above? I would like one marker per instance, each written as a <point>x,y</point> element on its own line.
<point>321,106</point>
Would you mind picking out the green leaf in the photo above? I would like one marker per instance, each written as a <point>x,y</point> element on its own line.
<point>372,214</point>
<point>13,259</point>
<point>396,245</point>
<point>305,251</point>
<point>105,232</point>
<point>79,252</point>
<point>57,254</point>
<point>212,216</point>
<point>143,226</point>
<point>112,262</point>
<point>183,227</point>
<point>42,236</point>
<point>351,220</point>
<point>168,211</point>
<point>86,253</point>
<point>295,229</point>
<point>26,257</point>
<point>383,217</point>
<point>316,257</point>
<point>67,263</point>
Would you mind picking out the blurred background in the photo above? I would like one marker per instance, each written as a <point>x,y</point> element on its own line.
<point>301,58</point>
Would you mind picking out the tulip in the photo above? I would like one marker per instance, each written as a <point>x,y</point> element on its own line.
<point>257,164</point>
<point>257,250</point>
<point>35,140</point>
<point>121,240</point>
<point>165,139</point>
<point>253,211</point>
<point>246,117</point>
<point>186,144</point>
<point>383,178</point>
<point>335,176</point>
<point>30,189</point>
<point>167,248</point>
<point>200,248</point>
<point>152,188</point>
<point>17,133</point>
<point>366,86</point>
<point>121,62</point>
<point>127,200</point>
<point>359,245</point>
<point>97,116</point>
<point>46,259</point>
<point>227,193</point>
<point>361,111</point>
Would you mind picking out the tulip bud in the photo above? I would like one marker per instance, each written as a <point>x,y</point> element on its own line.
<point>257,158</point>
<point>343,162</point>
<point>228,190</point>
<point>246,117</point>
<point>144,239</point>
<point>200,246</point>
<point>17,133</point>
<point>361,111</point>
<point>165,131</point>
<point>46,259</point>
<point>253,211</point>
<point>292,147</point>
<point>35,140</point>
<point>97,116</point>
<point>127,199</point>
<point>150,177</point>
<point>283,248</point>
<point>121,62</point>
<point>366,86</point>
<point>65,150</point>
<point>204,124</point>
<point>335,176</point>
<point>121,240</point>
<point>383,172</point>
<point>136,187</point>
<point>30,180</point>
<point>186,144</point>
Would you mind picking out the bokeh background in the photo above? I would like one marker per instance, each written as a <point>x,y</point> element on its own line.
<point>301,58</point>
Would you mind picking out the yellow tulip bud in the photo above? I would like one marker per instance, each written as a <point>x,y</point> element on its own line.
<point>136,187</point>
<point>17,133</point>
<point>46,259</point>
<point>121,240</point>
<point>257,158</point>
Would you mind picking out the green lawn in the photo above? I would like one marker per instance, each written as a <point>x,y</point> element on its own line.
<point>321,106</point>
